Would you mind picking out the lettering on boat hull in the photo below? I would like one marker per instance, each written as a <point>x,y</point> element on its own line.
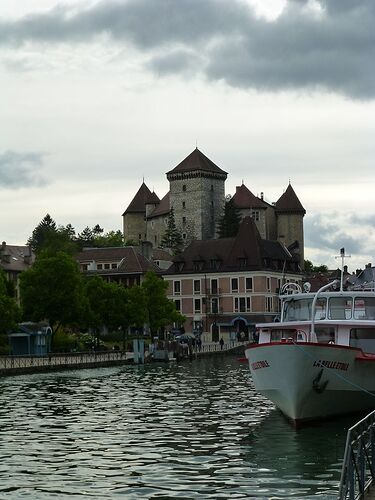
<point>335,365</point>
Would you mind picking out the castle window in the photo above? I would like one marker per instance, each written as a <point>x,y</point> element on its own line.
<point>214,287</point>
<point>184,187</point>
<point>156,238</point>
<point>177,287</point>
<point>183,220</point>
<point>242,304</point>
<point>255,214</point>
<point>183,204</point>
<point>234,282</point>
<point>184,236</point>
<point>249,284</point>
<point>212,187</point>
<point>139,236</point>
<point>215,305</point>
<point>197,305</point>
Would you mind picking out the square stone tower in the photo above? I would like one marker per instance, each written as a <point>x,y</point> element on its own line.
<point>197,195</point>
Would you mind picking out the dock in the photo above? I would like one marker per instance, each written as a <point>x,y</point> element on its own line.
<point>20,365</point>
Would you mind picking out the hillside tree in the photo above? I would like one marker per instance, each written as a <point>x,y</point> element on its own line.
<point>230,221</point>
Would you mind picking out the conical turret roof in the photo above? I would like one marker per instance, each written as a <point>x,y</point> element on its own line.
<point>142,197</point>
<point>196,160</point>
<point>289,202</point>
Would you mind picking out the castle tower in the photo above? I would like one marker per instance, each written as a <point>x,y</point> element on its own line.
<point>289,221</point>
<point>134,217</point>
<point>197,196</point>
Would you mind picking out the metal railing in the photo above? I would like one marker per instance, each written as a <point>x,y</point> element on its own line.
<point>79,358</point>
<point>358,468</point>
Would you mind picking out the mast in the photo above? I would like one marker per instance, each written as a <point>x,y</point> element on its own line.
<point>342,256</point>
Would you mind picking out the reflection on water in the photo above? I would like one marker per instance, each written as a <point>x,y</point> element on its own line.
<point>188,430</point>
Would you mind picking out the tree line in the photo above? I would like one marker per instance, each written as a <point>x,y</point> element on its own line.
<point>54,289</point>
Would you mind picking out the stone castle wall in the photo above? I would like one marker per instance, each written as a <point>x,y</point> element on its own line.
<point>198,204</point>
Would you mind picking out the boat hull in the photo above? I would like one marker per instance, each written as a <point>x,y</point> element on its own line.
<point>309,381</point>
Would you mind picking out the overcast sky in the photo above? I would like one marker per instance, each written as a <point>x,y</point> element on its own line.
<point>96,95</point>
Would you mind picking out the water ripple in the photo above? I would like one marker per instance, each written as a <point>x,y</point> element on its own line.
<point>189,430</point>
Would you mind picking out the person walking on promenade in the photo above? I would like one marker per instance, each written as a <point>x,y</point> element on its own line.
<point>221,343</point>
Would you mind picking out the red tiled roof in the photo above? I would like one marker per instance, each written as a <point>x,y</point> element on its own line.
<point>289,202</point>
<point>246,252</point>
<point>143,196</point>
<point>161,254</point>
<point>128,259</point>
<point>197,161</point>
<point>244,198</point>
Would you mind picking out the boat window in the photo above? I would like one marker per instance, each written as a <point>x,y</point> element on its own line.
<point>364,338</point>
<point>364,308</point>
<point>325,334</point>
<point>297,310</point>
<point>320,308</point>
<point>277,335</point>
<point>340,308</point>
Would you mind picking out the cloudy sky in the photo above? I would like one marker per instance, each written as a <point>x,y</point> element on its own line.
<point>96,95</point>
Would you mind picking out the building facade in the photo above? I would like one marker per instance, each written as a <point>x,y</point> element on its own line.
<point>224,287</point>
<point>13,260</point>
<point>123,265</point>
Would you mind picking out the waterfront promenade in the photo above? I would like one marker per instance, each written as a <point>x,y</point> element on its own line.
<point>14,365</point>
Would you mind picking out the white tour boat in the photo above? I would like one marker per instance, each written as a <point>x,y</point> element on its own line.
<point>319,360</point>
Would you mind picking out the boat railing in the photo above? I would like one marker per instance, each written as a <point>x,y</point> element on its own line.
<point>358,468</point>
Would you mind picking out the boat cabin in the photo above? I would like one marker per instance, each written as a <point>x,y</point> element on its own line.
<point>344,318</point>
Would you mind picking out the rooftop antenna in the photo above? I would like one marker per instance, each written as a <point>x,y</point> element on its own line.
<point>342,256</point>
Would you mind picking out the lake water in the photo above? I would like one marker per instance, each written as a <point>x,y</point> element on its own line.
<point>188,430</point>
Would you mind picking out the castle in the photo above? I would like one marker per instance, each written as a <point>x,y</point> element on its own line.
<point>197,196</point>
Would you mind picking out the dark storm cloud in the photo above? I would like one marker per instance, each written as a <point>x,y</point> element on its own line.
<point>19,170</point>
<point>330,50</point>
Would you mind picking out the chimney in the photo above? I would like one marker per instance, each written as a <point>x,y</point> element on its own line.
<point>3,246</point>
<point>146,249</point>
<point>345,269</point>
<point>261,195</point>
<point>368,266</point>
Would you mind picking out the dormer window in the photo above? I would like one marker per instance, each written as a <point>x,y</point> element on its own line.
<point>214,263</point>
<point>242,262</point>
<point>198,265</point>
<point>179,266</point>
